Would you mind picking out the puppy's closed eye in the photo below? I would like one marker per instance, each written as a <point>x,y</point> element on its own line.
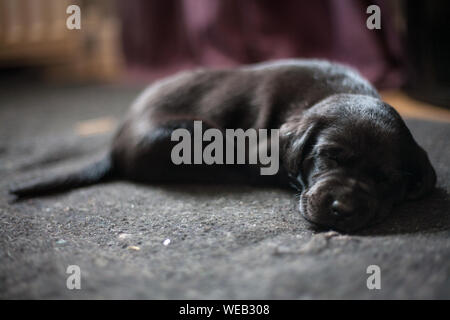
<point>380,178</point>
<point>384,175</point>
<point>332,156</point>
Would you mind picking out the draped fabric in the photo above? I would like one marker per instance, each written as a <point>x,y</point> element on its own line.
<point>161,37</point>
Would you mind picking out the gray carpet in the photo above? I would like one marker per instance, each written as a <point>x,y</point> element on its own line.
<point>224,242</point>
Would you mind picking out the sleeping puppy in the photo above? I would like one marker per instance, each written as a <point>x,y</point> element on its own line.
<point>350,154</point>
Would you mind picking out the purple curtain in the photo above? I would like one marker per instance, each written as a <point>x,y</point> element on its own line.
<point>163,36</point>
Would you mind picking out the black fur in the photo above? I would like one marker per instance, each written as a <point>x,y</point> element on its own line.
<point>349,153</point>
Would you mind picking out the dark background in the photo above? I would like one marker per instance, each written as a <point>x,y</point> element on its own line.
<point>141,40</point>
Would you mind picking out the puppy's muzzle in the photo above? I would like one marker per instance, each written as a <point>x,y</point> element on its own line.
<point>339,203</point>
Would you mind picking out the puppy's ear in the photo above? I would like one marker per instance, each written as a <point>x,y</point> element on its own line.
<point>421,177</point>
<point>419,173</point>
<point>296,137</point>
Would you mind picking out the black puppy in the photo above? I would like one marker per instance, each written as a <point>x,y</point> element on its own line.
<point>350,153</point>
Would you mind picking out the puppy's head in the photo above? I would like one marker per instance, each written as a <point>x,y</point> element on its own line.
<point>354,158</point>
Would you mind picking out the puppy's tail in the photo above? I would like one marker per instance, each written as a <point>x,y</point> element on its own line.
<point>97,172</point>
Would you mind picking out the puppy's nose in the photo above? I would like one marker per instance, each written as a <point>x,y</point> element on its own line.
<point>342,209</point>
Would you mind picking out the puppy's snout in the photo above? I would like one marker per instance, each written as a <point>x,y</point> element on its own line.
<point>339,203</point>
<point>342,209</point>
<point>347,200</point>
